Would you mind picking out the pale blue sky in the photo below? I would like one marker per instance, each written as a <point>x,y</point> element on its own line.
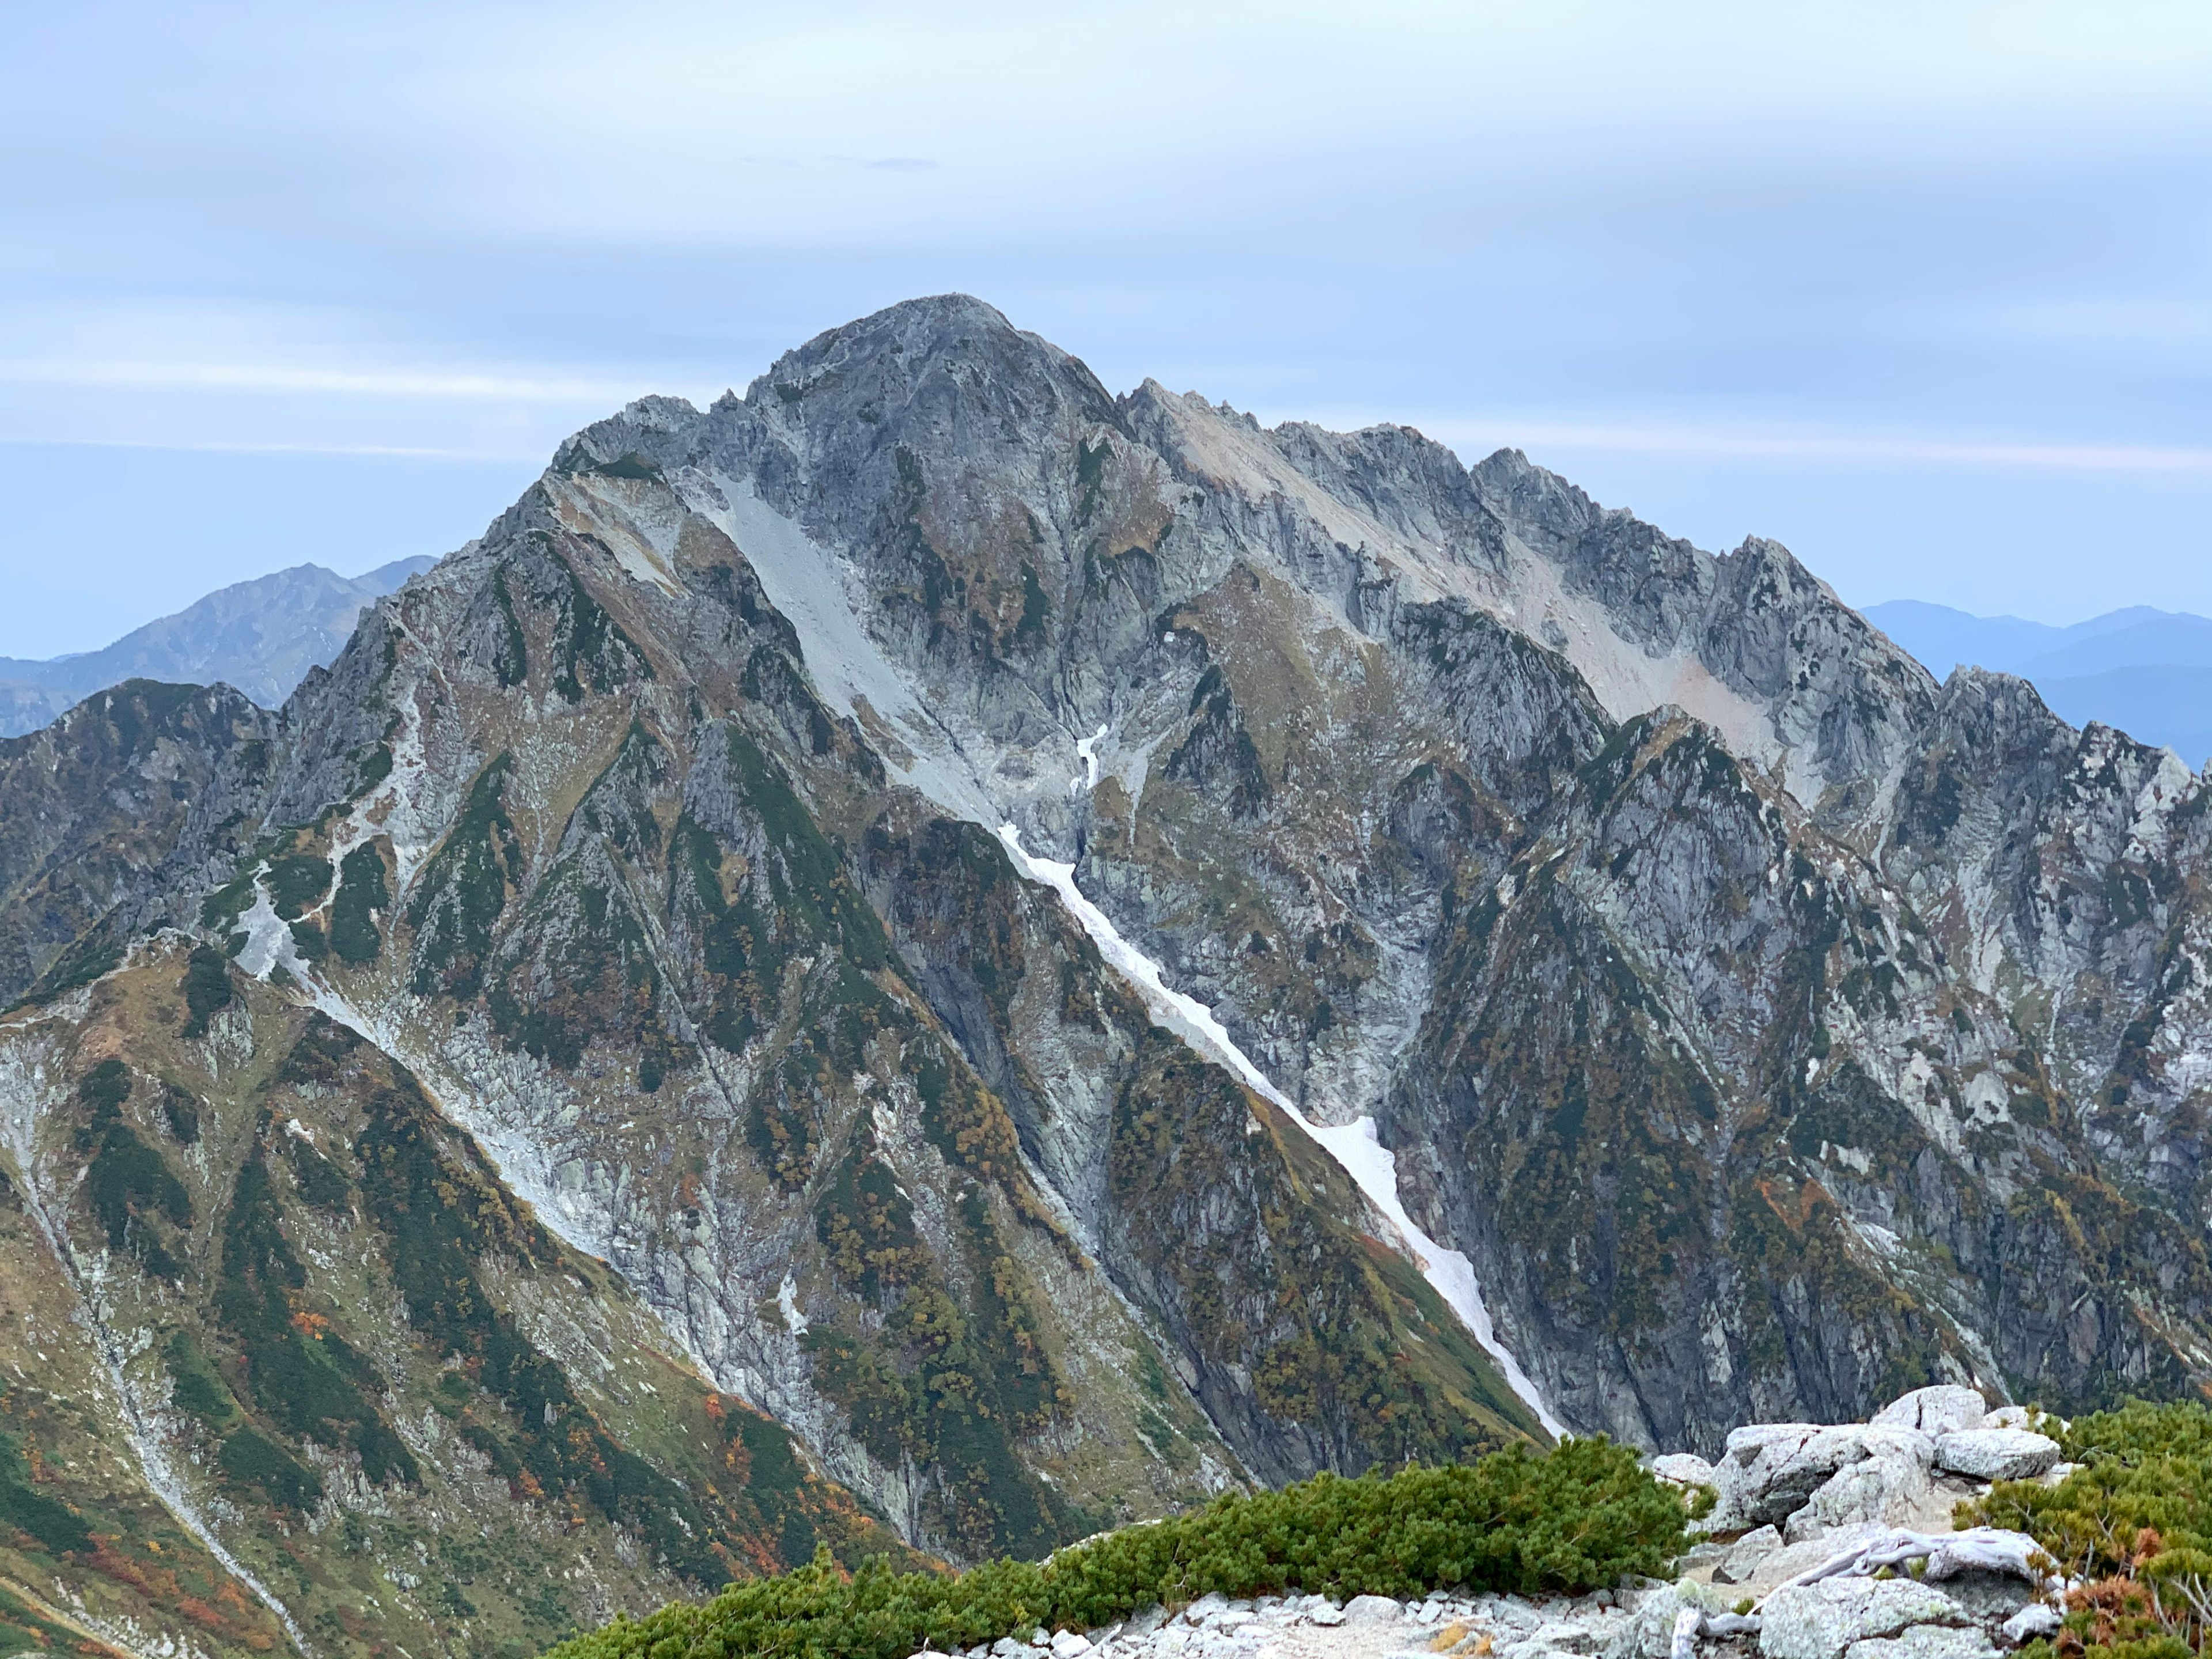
<point>1924,290</point>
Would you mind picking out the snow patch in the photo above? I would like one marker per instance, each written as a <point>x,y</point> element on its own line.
<point>1086,750</point>
<point>1371,1166</point>
<point>268,943</point>
<point>787,1297</point>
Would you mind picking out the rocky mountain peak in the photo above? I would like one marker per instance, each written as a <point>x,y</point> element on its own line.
<point>1072,955</point>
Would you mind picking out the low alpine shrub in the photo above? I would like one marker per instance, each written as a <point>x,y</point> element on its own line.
<point>2132,1526</point>
<point>1564,1523</point>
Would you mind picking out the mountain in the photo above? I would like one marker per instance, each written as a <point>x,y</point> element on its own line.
<point>2143,670</point>
<point>1070,952</point>
<point>259,636</point>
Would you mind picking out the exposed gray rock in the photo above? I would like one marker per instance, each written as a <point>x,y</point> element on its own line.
<point>2036,1619</point>
<point>1926,1642</point>
<point>1934,1411</point>
<point>1823,1621</point>
<point>1995,1454</point>
<point>1683,1469</point>
<point>1772,1472</point>
<point>1745,1556</point>
<point>1792,1559</point>
<point>1370,1609</point>
<point>1889,1483</point>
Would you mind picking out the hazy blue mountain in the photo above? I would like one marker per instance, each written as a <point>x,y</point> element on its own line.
<point>1943,638</point>
<point>2167,705</point>
<point>2148,672</point>
<point>261,636</point>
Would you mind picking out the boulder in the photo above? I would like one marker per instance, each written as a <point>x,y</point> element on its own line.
<point>1995,1454</point>
<point>1823,1621</point>
<point>1933,1411</point>
<point>1683,1469</point>
<point>1067,1644</point>
<point>2036,1619</point>
<point>1744,1556</point>
<point>1371,1610</point>
<point>1889,1484</point>
<point>1772,1471</point>
<point>1648,1632</point>
<point>1926,1642</point>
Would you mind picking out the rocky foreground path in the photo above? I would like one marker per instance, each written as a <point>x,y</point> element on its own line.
<point>1828,1541</point>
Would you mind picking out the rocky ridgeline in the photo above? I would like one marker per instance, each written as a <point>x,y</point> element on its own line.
<point>1826,1541</point>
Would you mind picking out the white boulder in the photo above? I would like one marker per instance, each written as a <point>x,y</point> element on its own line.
<point>1772,1471</point>
<point>1683,1469</point>
<point>1934,1411</point>
<point>1744,1557</point>
<point>1371,1610</point>
<point>1824,1619</point>
<point>1995,1454</point>
<point>2036,1619</point>
<point>1889,1484</point>
<point>1926,1642</point>
<point>1069,1644</point>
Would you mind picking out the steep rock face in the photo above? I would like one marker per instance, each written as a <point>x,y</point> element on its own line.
<point>569,833</point>
<point>92,807</point>
<point>1344,687</point>
<point>1770,1031</point>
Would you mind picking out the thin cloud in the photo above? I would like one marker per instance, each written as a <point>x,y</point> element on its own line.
<point>398,451</point>
<point>271,377</point>
<point>1870,448</point>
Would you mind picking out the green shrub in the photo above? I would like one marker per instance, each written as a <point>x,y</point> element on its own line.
<point>2134,1524</point>
<point>57,1527</point>
<point>361,894</point>
<point>1580,1517</point>
<point>206,988</point>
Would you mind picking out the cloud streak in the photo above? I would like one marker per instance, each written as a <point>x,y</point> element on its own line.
<point>1485,433</point>
<point>425,384</point>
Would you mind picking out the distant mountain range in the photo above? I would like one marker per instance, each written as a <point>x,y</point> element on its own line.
<point>261,636</point>
<point>2148,672</point>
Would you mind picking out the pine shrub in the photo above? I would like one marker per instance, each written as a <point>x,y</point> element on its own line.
<point>2133,1526</point>
<point>1571,1520</point>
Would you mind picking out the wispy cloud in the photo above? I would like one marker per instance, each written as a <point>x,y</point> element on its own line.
<point>184,446</point>
<point>1482,434</point>
<point>344,382</point>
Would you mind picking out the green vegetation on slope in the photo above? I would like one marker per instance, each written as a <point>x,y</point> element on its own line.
<point>2134,1524</point>
<point>1562,1523</point>
<point>127,1181</point>
<point>464,888</point>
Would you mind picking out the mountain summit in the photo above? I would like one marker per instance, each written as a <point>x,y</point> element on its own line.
<point>930,953</point>
<point>259,636</point>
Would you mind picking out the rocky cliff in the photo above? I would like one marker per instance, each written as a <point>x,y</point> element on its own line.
<point>1070,952</point>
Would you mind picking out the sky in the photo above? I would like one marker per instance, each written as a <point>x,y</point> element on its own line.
<point>1922,290</point>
